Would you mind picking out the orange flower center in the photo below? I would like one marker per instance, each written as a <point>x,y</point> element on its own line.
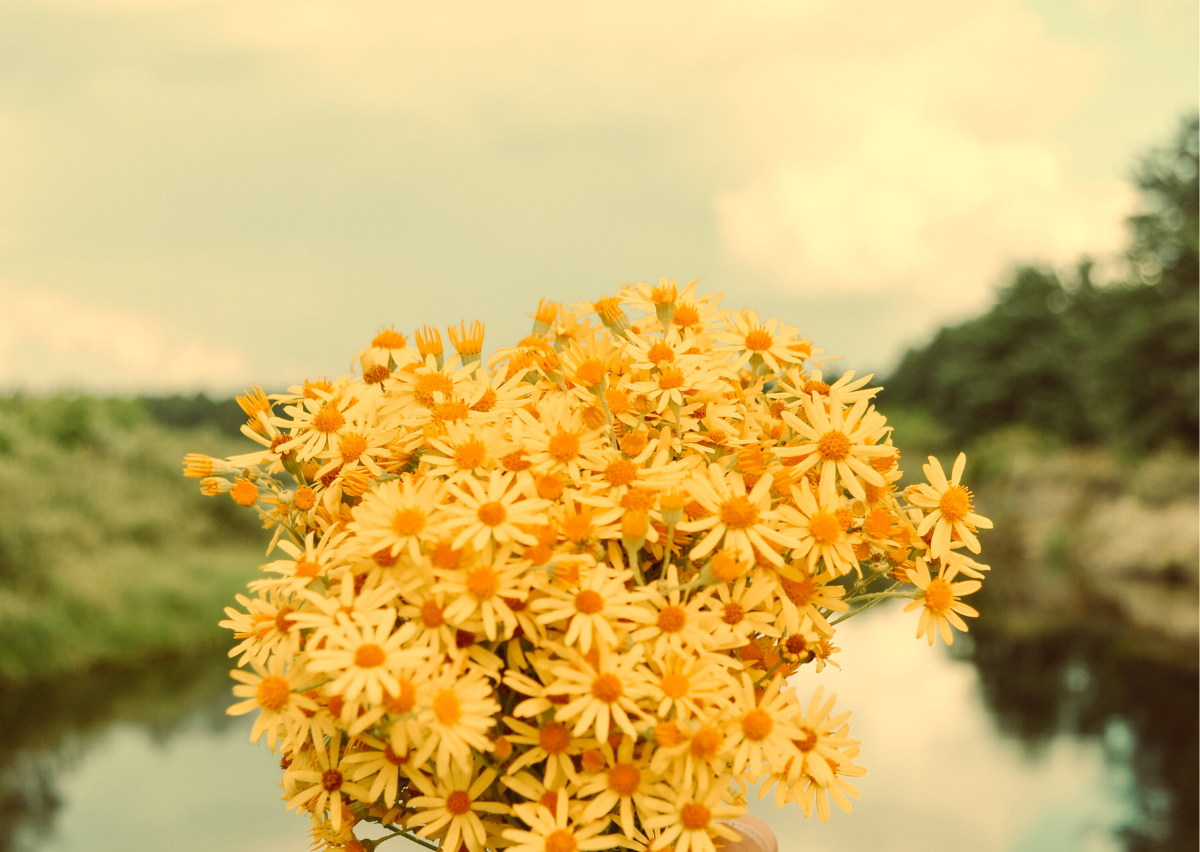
<point>675,684</point>
<point>563,446</point>
<point>589,602</point>
<point>955,504</point>
<point>389,339</point>
<point>706,743</point>
<point>446,707</point>
<point>807,741</point>
<point>813,386</point>
<point>483,583</point>
<point>376,374</point>
<point>739,513</point>
<point>432,614</point>
<point>305,498</point>
<point>451,410</point>
<point>486,401</point>
<point>244,493</point>
<point>590,373</point>
<point>685,315</point>
<point>328,419</point>
<point>458,802</point>
<point>429,384</point>
<point>554,738</point>
<point>734,614</point>
<point>502,749</point>
<point>273,693</point>
<point>515,461</point>
<point>624,778</point>
<point>620,472</point>
<point>607,687</point>
<point>550,487</point>
<point>800,592</point>
<point>469,454</point>
<point>307,570</point>
<point>825,528</point>
<point>578,527</point>
<point>407,522</point>
<point>695,816</point>
<point>404,702</point>
<point>351,446</point>
<point>618,401</point>
<point>660,353</point>
<point>939,597</point>
<point>672,618</point>
<point>757,724</point>
<point>445,556</point>
<point>369,656</point>
<point>283,619</point>
<point>549,800</point>
<point>878,523</point>
<point>758,340</point>
<point>638,500</point>
<point>726,567</point>
<point>492,514</point>
<point>561,840</point>
<point>331,780</point>
<point>834,446</point>
<point>670,379</point>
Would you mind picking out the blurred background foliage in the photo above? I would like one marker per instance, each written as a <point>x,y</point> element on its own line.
<point>1078,362</point>
<point>106,553</point>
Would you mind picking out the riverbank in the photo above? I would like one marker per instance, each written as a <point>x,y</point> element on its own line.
<point>107,554</point>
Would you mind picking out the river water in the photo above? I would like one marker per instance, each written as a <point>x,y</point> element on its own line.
<point>1060,743</point>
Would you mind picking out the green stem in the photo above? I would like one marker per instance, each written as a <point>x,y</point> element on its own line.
<point>879,595</point>
<point>397,833</point>
<point>855,612</point>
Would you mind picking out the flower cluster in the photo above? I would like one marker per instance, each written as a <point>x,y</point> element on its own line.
<point>553,602</point>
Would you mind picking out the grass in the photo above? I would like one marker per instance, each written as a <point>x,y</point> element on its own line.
<point>107,554</point>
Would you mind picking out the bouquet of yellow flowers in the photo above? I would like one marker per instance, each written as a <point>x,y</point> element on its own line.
<point>553,602</point>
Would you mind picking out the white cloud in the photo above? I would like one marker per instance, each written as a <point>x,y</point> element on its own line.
<point>48,341</point>
<point>943,171</point>
<point>849,146</point>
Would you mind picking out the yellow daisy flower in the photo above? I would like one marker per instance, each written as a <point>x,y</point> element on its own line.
<point>553,831</point>
<point>399,516</point>
<point>592,611</point>
<point>839,441</point>
<point>365,655</point>
<point>742,521</point>
<point>819,531</point>
<point>457,719</point>
<point>628,786</point>
<point>939,600</point>
<point>322,787</point>
<point>492,510</point>
<point>450,807</point>
<point>273,690</point>
<point>691,823</point>
<point>603,693</point>
<point>953,512</point>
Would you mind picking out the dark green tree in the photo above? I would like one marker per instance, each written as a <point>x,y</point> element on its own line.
<point>1079,361</point>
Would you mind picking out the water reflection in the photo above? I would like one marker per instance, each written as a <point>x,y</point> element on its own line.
<point>1058,742</point>
<point>1144,712</point>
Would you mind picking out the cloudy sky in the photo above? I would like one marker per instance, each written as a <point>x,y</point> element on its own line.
<point>212,193</point>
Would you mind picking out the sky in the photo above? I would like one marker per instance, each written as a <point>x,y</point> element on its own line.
<point>209,194</point>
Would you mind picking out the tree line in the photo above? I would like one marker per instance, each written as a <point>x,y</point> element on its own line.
<point>1075,360</point>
